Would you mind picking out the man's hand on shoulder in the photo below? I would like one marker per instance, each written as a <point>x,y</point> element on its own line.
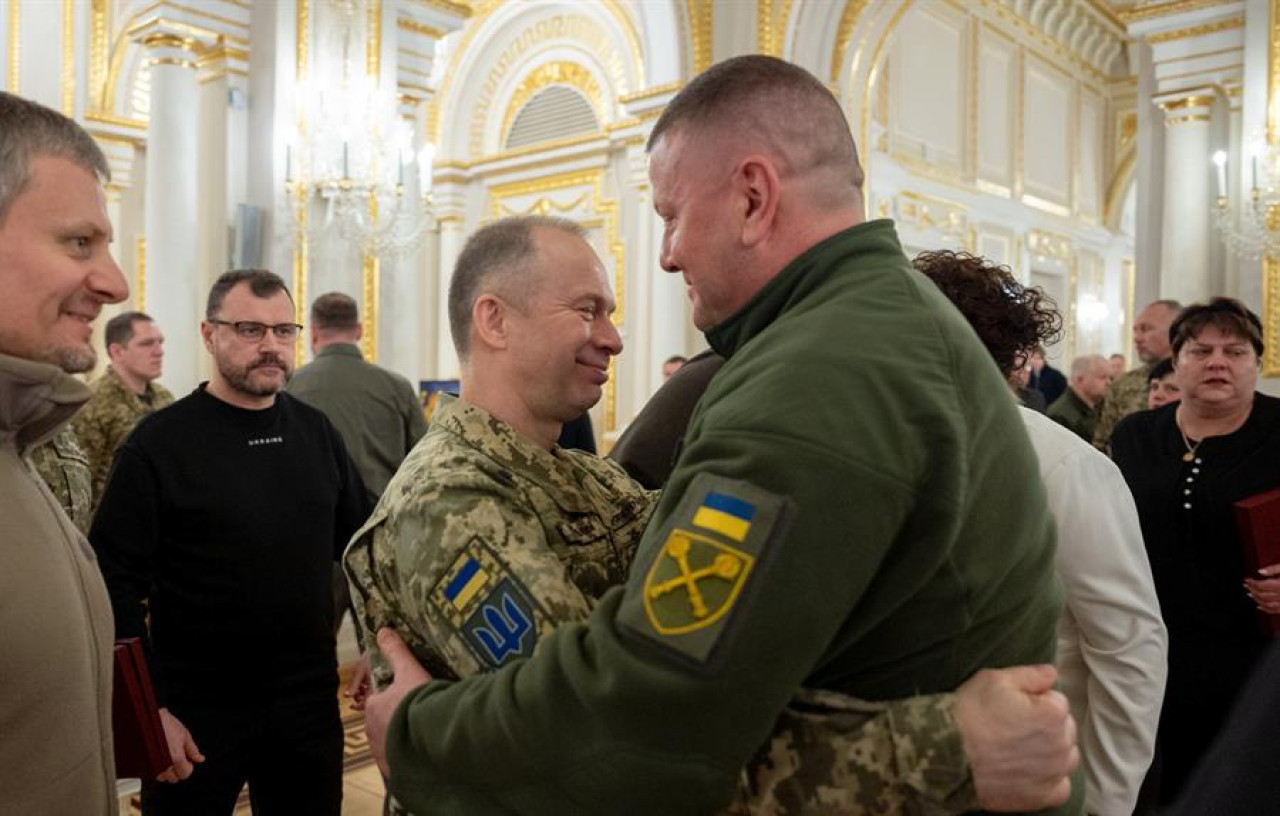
<point>379,708</point>
<point>1019,737</point>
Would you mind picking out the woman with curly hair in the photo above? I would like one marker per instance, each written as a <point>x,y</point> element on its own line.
<point>1187,463</point>
<point>1111,640</point>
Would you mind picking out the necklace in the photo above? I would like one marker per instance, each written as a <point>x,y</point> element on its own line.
<point>1191,449</point>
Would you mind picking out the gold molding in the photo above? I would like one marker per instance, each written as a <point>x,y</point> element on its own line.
<point>552,73</point>
<point>1196,31</point>
<point>415,27</point>
<point>301,252</point>
<point>1148,11</point>
<point>119,121</point>
<point>1181,120</point>
<point>1104,10</point>
<point>1271,317</point>
<point>1273,77</point>
<point>1052,245</point>
<point>1117,187</point>
<point>181,63</point>
<point>771,26</point>
<point>1186,103</point>
<point>15,41</point>
<point>1235,67</point>
<point>302,28</point>
<point>844,33</point>
<point>99,44</point>
<point>68,57</point>
<point>701,28</point>
<point>1044,205</point>
<point>649,93</point>
<point>462,10</point>
<point>872,73</point>
<point>140,270</point>
<point>373,44</point>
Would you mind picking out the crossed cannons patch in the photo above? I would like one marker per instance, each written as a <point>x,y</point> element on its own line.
<point>700,574</point>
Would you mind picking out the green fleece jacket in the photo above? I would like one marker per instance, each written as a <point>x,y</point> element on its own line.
<point>856,508</point>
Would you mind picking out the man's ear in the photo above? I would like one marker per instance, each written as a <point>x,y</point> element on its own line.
<point>114,351</point>
<point>489,321</point>
<point>758,187</point>
<point>206,334</point>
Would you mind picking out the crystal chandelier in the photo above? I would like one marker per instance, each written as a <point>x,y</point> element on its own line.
<point>1252,230</point>
<point>354,157</point>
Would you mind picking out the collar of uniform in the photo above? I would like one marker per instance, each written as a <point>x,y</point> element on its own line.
<point>340,350</point>
<point>800,276</point>
<point>110,380</point>
<point>505,445</point>
<point>35,400</point>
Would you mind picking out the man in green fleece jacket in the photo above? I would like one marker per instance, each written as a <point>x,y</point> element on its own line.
<point>849,513</point>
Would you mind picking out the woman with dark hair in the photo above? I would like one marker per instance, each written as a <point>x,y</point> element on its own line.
<point>1162,385</point>
<point>1187,463</point>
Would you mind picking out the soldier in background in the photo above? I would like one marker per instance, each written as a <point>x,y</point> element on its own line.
<point>1129,392</point>
<point>125,393</point>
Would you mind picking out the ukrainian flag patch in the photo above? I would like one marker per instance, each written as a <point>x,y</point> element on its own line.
<point>725,514</point>
<point>698,565</point>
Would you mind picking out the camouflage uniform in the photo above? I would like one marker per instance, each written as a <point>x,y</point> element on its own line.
<point>557,529</point>
<point>1125,396</point>
<point>108,418</point>
<point>477,507</point>
<point>64,467</point>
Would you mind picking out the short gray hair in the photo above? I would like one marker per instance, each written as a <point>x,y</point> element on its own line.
<point>496,258</point>
<point>1082,366</point>
<point>31,130</point>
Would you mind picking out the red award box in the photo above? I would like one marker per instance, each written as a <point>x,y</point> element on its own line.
<point>140,745</point>
<point>1258,519</point>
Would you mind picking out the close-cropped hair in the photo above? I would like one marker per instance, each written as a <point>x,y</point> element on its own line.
<point>335,310</point>
<point>1228,315</point>
<point>1083,366</point>
<point>1160,370</point>
<point>1010,319</point>
<point>121,327</point>
<point>676,358</point>
<point>29,130</point>
<point>262,284</point>
<point>497,258</point>
<point>769,99</point>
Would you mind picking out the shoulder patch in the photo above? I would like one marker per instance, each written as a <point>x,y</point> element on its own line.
<point>489,609</point>
<point>698,572</point>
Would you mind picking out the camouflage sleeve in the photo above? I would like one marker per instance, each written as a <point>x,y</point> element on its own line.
<point>63,466</point>
<point>96,429</point>
<point>462,571</point>
<point>1110,414</point>
<point>835,754</point>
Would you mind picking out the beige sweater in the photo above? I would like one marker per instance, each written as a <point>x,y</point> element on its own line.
<point>55,619</point>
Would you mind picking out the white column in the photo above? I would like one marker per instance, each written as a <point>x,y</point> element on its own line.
<point>1186,271</point>
<point>171,198</point>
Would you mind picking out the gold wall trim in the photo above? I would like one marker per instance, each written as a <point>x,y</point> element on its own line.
<point>463,10</point>
<point>1116,189</point>
<point>300,191</point>
<point>1104,10</point>
<point>1196,31</point>
<point>649,93</point>
<point>373,45</point>
<point>701,28</point>
<point>544,147</point>
<point>1051,207</point>
<point>1146,12</point>
<point>1182,120</point>
<point>553,73</point>
<point>844,33</point>
<point>99,44</point>
<point>1273,77</point>
<point>302,26</point>
<point>15,41</point>
<point>68,57</point>
<point>1237,66</point>
<point>119,121</point>
<point>1186,103</point>
<point>865,136</point>
<point>181,63</point>
<point>415,27</point>
<point>771,26</point>
<point>140,274</point>
<point>1271,317</point>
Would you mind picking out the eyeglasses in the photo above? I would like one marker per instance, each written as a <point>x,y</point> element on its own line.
<point>253,331</point>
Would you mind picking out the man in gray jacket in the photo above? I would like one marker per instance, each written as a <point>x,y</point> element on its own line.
<point>55,620</point>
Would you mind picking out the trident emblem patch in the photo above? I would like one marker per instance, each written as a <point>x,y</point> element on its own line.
<point>693,582</point>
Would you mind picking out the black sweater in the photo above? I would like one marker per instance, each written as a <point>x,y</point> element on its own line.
<point>226,523</point>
